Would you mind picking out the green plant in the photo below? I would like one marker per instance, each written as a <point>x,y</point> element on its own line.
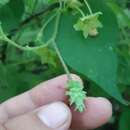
<point>88,24</point>
<point>87,37</point>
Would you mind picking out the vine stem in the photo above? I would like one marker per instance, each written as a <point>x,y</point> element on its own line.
<point>27,48</point>
<point>44,26</point>
<point>88,6</point>
<point>33,16</point>
<point>57,49</point>
<point>62,60</point>
<point>81,12</point>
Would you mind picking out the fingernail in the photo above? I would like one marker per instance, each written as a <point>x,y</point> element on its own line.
<point>54,115</point>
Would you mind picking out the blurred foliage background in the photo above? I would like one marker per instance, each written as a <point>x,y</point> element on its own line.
<point>103,62</point>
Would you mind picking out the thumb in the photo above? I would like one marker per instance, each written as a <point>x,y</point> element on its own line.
<point>55,116</point>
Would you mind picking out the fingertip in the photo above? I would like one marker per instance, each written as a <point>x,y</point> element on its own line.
<point>53,116</point>
<point>106,106</point>
<point>76,77</point>
<point>56,115</point>
<point>73,76</point>
<point>98,112</point>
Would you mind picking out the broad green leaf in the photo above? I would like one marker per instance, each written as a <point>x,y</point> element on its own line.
<point>94,57</point>
<point>124,65</point>
<point>30,5</point>
<point>124,122</point>
<point>3,2</point>
<point>6,88</point>
<point>127,12</point>
<point>123,18</point>
<point>27,35</point>
<point>14,81</point>
<point>11,13</point>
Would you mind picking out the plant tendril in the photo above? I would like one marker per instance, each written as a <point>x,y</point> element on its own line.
<point>44,26</point>
<point>88,6</point>
<point>57,49</point>
<point>80,11</point>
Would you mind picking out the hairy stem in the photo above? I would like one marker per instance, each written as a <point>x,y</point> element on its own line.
<point>26,48</point>
<point>57,49</point>
<point>80,11</point>
<point>39,35</point>
<point>88,6</point>
<point>62,60</point>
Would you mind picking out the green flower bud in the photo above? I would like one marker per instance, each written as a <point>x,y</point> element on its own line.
<point>89,25</point>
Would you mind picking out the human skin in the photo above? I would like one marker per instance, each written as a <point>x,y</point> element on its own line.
<point>45,107</point>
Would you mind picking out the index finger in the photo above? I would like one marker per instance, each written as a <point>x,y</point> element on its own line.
<point>47,92</point>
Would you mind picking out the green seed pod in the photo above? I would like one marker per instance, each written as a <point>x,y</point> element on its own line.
<point>76,94</point>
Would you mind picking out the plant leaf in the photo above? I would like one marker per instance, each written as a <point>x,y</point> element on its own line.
<point>11,13</point>
<point>123,18</point>
<point>124,123</point>
<point>3,2</point>
<point>93,57</point>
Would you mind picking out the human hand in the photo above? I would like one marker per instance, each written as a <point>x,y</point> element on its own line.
<point>44,108</point>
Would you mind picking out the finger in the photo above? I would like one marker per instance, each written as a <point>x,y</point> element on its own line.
<point>44,118</point>
<point>47,92</point>
<point>98,112</point>
<point>39,99</point>
<point>2,127</point>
